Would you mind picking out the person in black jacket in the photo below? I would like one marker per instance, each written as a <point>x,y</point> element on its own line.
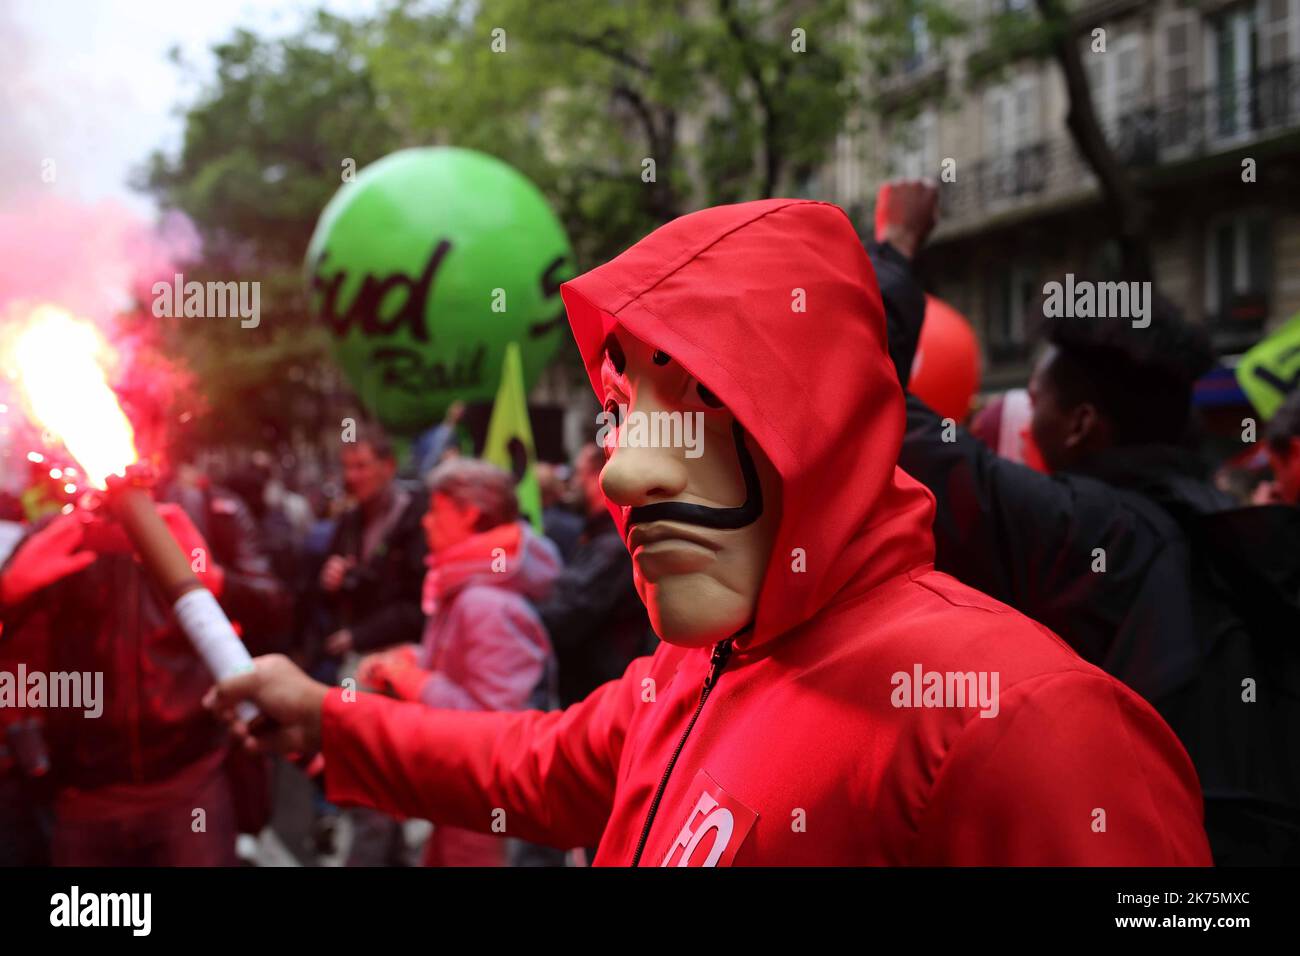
<point>1124,549</point>
<point>369,586</point>
<point>596,621</point>
<point>365,597</point>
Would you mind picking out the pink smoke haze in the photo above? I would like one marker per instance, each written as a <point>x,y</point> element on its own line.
<point>92,259</point>
<point>98,261</point>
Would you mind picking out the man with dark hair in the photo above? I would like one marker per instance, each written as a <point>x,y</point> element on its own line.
<point>370,583</point>
<point>366,595</point>
<point>1284,451</point>
<point>1124,549</point>
<point>1102,383</point>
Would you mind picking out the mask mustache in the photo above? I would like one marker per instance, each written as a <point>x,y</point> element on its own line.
<point>704,516</point>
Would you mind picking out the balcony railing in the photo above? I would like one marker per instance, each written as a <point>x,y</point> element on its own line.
<point>998,184</point>
<point>1196,123</point>
<point>1210,119</point>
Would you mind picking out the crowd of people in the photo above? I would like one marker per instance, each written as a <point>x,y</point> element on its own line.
<point>1165,692</point>
<point>433,589</point>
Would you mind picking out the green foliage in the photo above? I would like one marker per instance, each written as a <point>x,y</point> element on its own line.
<point>1012,37</point>
<point>577,95</point>
<point>264,144</point>
<point>262,154</point>
<point>893,27</point>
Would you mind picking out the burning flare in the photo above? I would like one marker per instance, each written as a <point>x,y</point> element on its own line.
<point>57,362</point>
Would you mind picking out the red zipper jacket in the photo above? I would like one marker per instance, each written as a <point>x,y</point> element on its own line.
<point>800,744</point>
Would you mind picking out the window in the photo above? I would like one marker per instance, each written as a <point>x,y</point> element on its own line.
<point>1178,48</point>
<point>1011,119</point>
<point>1278,102</point>
<point>1175,81</point>
<point>1116,80</point>
<point>1238,271</point>
<point>1275,28</point>
<point>1009,294</point>
<point>1231,49</point>
<point>1025,122</point>
<point>1013,154</point>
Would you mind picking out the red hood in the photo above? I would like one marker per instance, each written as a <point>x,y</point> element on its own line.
<point>818,728</point>
<point>716,290</point>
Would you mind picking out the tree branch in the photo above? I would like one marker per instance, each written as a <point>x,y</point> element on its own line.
<point>766,101</point>
<point>661,202</point>
<point>603,45</point>
<point>1128,211</point>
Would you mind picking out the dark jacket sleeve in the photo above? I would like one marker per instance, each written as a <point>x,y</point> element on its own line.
<point>577,610</point>
<point>251,593</point>
<point>904,301</point>
<point>397,581</point>
<point>316,612</point>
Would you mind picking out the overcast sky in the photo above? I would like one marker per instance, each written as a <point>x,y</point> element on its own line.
<point>89,85</point>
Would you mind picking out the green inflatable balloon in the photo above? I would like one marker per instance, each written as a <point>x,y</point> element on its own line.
<point>424,268</point>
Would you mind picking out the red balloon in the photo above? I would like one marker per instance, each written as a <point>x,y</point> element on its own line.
<point>946,369</point>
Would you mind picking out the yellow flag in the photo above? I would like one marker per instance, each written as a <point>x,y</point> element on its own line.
<point>1271,369</point>
<point>510,436</point>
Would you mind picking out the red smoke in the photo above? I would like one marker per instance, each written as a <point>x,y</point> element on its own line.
<point>98,261</point>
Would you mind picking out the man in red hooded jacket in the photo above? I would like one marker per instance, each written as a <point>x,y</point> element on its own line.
<point>822,695</point>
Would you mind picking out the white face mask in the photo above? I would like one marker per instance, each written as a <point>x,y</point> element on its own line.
<point>698,563</point>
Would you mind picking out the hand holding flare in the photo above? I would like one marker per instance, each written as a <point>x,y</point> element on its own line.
<point>58,363</point>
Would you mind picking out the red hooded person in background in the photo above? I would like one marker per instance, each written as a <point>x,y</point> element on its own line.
<point>852,706</point>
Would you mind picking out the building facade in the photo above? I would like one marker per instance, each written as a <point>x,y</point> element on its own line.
<point>1200,102</point>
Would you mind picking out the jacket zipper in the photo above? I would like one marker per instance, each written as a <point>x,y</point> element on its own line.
<point>721,652</point>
